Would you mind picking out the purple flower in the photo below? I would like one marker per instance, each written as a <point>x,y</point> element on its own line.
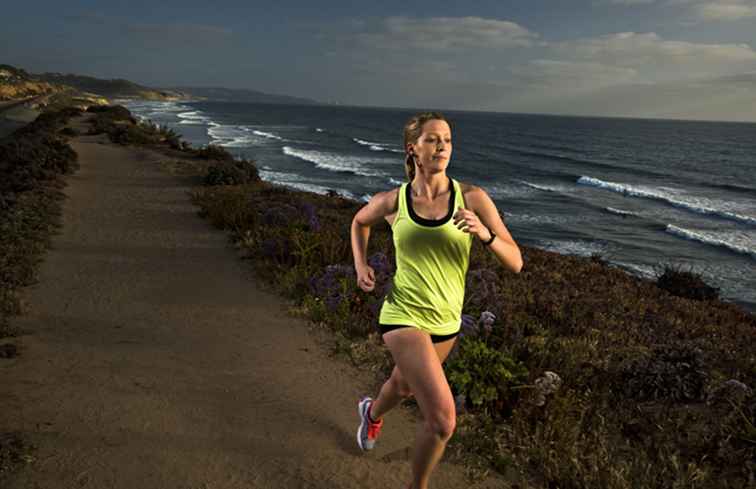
<point>379,262</point>
<point>312,216</point>
<point>328,286</point>
<point>468,326</point>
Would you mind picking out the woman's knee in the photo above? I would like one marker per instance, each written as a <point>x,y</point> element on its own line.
<point>442,422</point>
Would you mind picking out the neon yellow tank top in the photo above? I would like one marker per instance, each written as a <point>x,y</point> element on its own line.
<point>432,257</point>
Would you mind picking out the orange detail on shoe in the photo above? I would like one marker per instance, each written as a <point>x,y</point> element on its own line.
<point>374,429</point>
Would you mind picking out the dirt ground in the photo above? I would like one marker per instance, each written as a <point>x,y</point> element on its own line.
<point>151,357</point>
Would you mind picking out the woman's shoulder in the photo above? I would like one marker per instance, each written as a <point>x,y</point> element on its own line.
<point>469,189</point>
<point>473,195</point>
<point>387,199</point>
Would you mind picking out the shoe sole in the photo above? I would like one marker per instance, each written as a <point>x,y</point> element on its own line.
<point>363,420</point>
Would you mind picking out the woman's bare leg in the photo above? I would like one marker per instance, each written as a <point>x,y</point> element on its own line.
<point>395,389</point>
<point>419,364</point>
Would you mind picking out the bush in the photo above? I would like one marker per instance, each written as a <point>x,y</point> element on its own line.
<point>674,372</point>
<point>112,112</point>
<point>484,375</point>
<point>130,134</point>
<point>31,161</point>
<point>231,173</point>
<point>686,284</point>
<point>214,152</point>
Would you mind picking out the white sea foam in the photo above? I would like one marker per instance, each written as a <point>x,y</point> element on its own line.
<point>559,219</point>
<point>546,188</point>
<point>622,212</point>
<point>643,271</point>
<point>267,135</point>
<point>735,241</point>
<point>692,203</point>
<point>294,181</point>
<point>336,162</point>
<point>394,181</point>
<point>193,118</point>
<point>230,136</point>
<point>500,190</point>
<point>581,248</point>
<point>157,106</point>
<point>376,146</point>
<point>318,129</point>
<point>277,176</point>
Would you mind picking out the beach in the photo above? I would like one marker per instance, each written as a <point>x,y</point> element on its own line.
<point>150,358</point>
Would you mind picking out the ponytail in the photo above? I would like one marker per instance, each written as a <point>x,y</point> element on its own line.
<point>409,167</point>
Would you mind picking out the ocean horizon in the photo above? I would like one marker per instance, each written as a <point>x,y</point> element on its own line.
<point>640,192</point>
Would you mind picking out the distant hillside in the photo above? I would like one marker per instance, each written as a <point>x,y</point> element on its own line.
<point>114,88</point>
<point>220,94</point>
<point>16,83</point>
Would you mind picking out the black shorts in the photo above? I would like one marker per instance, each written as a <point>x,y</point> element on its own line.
<point>435,338</point>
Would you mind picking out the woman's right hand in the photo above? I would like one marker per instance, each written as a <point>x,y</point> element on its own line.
<point>365,277</point>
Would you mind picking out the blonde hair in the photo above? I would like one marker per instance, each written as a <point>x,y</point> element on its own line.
<point>412,130</point>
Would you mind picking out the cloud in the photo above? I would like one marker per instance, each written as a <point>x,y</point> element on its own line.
<point>702,10</point>
<point>730,98</point>
<point>630,2</point>
<point>447,33</point>
<point>424,51</point>
<point>658,58</point>
<point>571,75</point>
<point>726,10</point>
<point>487,64</point>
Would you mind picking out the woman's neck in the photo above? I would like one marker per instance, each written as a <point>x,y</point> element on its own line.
<point>430,187</point>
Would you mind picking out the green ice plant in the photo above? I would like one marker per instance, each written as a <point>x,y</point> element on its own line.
<point>482,373</point>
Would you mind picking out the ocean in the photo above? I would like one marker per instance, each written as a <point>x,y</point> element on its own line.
<point>642,193</point>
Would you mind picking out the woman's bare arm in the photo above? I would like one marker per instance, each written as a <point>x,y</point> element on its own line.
<point>504,246</point>
<point>381,205</point>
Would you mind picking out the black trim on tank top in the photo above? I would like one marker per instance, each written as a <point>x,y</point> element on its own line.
<point>430,222</point>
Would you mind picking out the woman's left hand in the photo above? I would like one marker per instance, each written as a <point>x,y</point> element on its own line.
<point>468,221</point>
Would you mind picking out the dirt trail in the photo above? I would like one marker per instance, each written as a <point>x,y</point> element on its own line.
<point>152,359</point>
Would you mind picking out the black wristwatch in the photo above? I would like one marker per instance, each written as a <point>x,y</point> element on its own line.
<point>486,243</point>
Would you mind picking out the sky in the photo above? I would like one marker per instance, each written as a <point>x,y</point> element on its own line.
<point>682,59</point>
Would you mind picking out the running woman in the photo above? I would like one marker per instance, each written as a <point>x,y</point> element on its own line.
<point>434,219</point>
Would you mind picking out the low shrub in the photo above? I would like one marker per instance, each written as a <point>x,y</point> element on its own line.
<point>687,284</point>
<point>231,172</point>
<point>485,376</point>
<point>31,162</point>
<point>213,152</point>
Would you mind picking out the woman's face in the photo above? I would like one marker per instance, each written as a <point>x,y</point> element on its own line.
<point>433,148</point>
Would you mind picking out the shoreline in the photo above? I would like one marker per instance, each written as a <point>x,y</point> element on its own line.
<point>21,115</point>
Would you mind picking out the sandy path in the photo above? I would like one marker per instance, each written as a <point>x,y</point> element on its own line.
<point>153,359</point>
